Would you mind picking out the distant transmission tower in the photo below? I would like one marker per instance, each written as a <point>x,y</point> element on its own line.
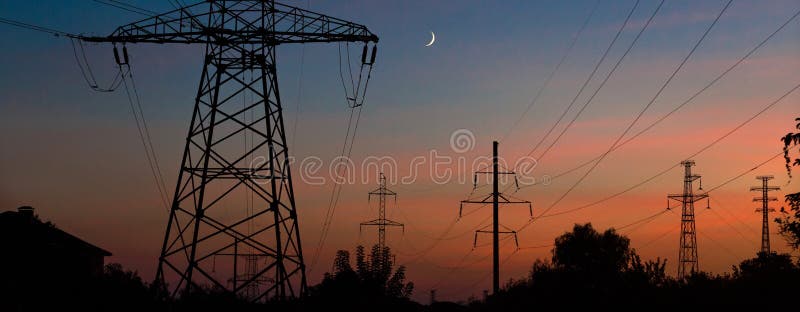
<point>765,199</point>
<point>495,198</point>
<point>687,253</point>
<point>381,222</point>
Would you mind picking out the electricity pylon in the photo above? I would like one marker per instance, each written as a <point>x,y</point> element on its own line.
<point>240,38</point>
<point>495,198</point>
<point>687,253</point>
<point>764,188</point>
<point>381,222</point>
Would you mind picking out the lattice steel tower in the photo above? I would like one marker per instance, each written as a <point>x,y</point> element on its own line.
<point>687,251</point>
<point>764,209</point>
<point>381,222</point>
<point>208,230</point>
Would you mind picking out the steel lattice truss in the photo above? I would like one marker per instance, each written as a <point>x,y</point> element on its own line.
<point>764,188</point>
<point>234,198</point>
<point>688,262</point>
<point>239,22</point>
<point>381,222</point>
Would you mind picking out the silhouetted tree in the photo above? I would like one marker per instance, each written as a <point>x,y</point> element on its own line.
<point>766,266</point>
<point>589,252</point>
<point>121,290</point>
<point>789,225</point>
<point>649,273</point>
<point>767,276</point>
<point>372,283</point>
<point>587,269</point>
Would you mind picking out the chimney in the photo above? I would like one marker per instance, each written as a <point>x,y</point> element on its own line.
<point>26,211</point>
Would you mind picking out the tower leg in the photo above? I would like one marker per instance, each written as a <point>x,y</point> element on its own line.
<point>209,220</point>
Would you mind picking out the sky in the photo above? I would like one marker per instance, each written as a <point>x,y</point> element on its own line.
<point>75,155</point>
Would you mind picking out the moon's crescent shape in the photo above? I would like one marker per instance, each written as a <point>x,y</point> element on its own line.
<point>433,39</point>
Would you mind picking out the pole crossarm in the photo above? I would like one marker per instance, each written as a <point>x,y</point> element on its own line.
<point>496,198</point>
<point>238,22</point>
<point>687,198</point>
<point>501,200</point>
<point>507,230</point>
<point>382,222</point>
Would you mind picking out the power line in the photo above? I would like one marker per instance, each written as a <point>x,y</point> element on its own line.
<point>158,179</point>
<point>653,177</point>
<point>737,219</point>
<point>299,91</point>
<point>133,100</point>
<point>602,84</point>
<point>742,124</point>
<point>424,252</point>
<point>646,107</point>
<point>648,180</point>
<point>644,220</point>
<point>687,101</point>
<point>51,31</point>
<point>662,235</point>
<point>85,68</point>
<point>588,79</point>
<point>506,240</point>
<point>735,229</point>
<point>650,218</point>
<point>554,71</point>
<point>334,196</point>
<point>723,247</point>
<point>127,7</point>
<point>349,139</point>
<point>147,134</point>
<point>442,237</point>
<point>647,219</point>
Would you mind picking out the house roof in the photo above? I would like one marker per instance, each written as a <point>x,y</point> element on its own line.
<point>45,233</point>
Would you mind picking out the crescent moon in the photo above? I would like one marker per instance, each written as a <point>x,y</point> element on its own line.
<point>433,39</point>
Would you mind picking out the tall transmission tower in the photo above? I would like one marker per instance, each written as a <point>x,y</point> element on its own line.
<point>381,222</point>
<point>687,252</point>
<point>240,38</point>
<point>764,188</point>
<point>495,198</point>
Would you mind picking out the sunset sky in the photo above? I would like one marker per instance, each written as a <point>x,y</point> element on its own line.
<point>75,155</point>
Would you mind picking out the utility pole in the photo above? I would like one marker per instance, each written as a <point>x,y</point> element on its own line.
<point>764,188</point>
<point>687,253</point>
<point>240,37</point>
<point>381,222</point>
<point>495,198</point>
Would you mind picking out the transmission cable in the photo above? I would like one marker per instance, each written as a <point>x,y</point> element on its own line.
<point>646,107</point>
<point>127,7</point>
<point>144,136</point>
<point>684,103</point>
<point>652,217</point>
<point>51,31</point>
<point>650,179</point>
<point>299,97</point>
<point>588,79</point>
<point>349,140</point>
<point>554,71</point>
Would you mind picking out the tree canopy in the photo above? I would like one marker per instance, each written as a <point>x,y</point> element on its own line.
<point>789,224</point>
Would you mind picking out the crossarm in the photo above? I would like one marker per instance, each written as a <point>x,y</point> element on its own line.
<point>239,22</point>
